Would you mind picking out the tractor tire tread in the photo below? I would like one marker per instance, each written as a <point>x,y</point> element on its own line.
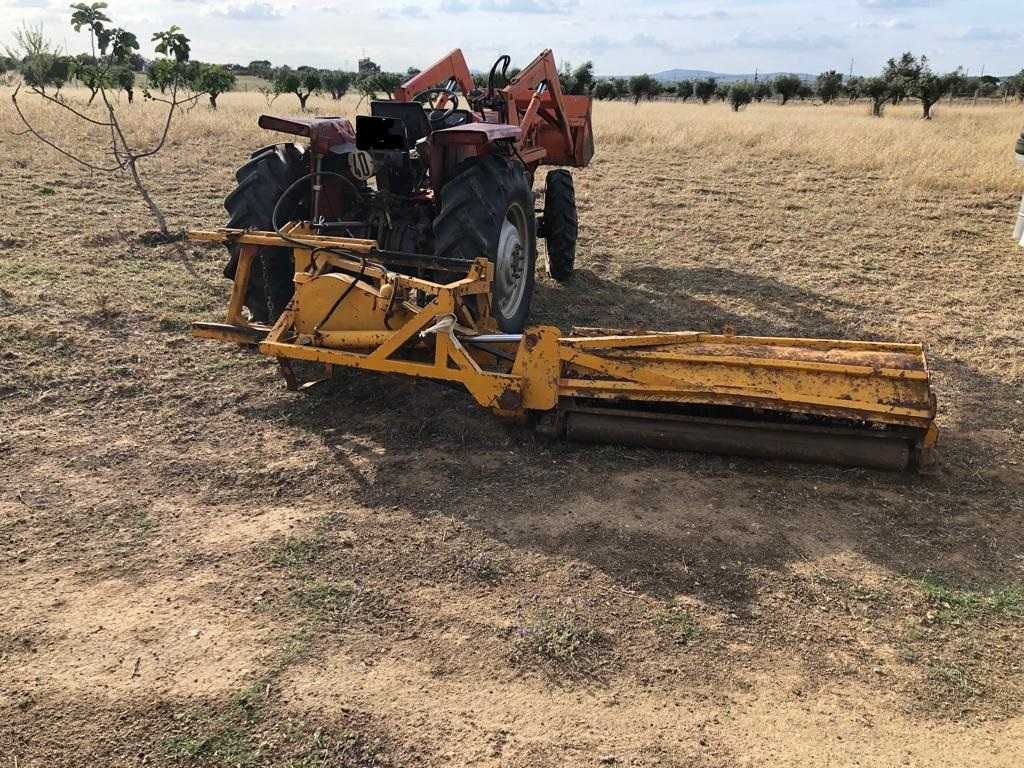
<point>472,205</point>
<point>561,223</point>
<point>261,181</point>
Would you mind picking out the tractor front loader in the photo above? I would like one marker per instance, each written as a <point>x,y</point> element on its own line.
<point>407,245</point>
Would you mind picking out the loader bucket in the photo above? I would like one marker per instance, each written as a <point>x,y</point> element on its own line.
<point>577,112</point>
<point>581,134</point>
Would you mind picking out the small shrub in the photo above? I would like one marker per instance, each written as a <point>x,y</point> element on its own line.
<point>481,567</point>
<point>558,639</point>
<point>293,552</point>
<point>678,626</point>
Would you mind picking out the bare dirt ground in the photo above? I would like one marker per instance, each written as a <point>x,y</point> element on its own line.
<point>198,567</point>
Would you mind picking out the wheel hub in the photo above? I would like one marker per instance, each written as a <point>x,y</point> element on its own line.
<point>510,267</point>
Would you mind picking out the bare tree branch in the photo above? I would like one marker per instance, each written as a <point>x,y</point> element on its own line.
<point>61,150</point>
<point>72,110</point>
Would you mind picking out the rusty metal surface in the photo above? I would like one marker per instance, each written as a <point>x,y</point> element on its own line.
<point>322,132</point>
<point>872,381</point>
<point>735,437</point>
<point>798,397</point>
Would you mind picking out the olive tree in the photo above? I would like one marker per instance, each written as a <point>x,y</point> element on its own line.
<point>336,83</point>
<point>40,64</point>
<point>642,87</point>
<point>379,82</point>
<point>876,89</point>
<point>213,80</point>
<point>579,81</point>
<point>303,83</point>
<point>604,90</point>
<point>705,89</point>
<point>1015,86</point>
<point>162,74</point>
<point>124,78</point>
<point>929,87</point>
<point>740,94</point>
<point>852,88</point>
<point>828,85</point>
<point>900,74</point>
<point>786,87</point>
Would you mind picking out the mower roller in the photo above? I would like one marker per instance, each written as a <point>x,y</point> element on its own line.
<point>429,272</point>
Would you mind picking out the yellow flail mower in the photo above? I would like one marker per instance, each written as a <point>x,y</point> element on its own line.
<point>851,403</point>
<point>407,244</point>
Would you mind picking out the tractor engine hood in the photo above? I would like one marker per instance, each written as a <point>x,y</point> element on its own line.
<point>325,134</point>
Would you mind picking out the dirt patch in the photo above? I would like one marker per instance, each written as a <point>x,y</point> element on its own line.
<point>119,639</point>
<point>200,567</point>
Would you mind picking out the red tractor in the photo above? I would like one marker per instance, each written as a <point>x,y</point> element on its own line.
<point>439,175</point>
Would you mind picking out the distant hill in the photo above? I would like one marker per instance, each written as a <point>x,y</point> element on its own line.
<point>675,75</point>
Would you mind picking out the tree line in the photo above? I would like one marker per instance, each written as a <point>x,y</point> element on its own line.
<point>907,76</point>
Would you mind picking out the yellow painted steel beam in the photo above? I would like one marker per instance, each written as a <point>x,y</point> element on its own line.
<point>237,334</point>
<point>247,237</point>
<point>746,361</point>
<point>866,392</point>
<point>614,338</point>
<point>487,388</point>
<point>624,391</point>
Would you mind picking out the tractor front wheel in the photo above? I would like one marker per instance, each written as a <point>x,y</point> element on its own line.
<point>561,224</point>
<point>486,209</point>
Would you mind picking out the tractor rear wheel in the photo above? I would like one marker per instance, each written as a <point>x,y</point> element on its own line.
<point>486,209</point>
<point>261,182</point>
<point>561,224</point>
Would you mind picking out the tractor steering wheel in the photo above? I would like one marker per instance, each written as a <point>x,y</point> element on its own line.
<point>429,98</point>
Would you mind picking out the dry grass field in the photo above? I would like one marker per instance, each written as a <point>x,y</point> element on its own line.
<point>200,568</point>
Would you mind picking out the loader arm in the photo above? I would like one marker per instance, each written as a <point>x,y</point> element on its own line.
<point>453,65</point>
<point>538,86</point>
<point>556,127</point>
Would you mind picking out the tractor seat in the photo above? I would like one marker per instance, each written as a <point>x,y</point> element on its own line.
<point>409,113</point>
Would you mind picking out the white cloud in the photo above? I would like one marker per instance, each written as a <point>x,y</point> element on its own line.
<point>716,14</point>
<point>254,10</point>
<point>986,35</point>
<point>883,25</point>
<point>405,12</point>
<point>787,42</point>
<point>890,5</point>
<point>529,6</point>
<point>737,42</point>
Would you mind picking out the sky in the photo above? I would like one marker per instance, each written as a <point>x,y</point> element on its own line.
<point>621,37</point>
